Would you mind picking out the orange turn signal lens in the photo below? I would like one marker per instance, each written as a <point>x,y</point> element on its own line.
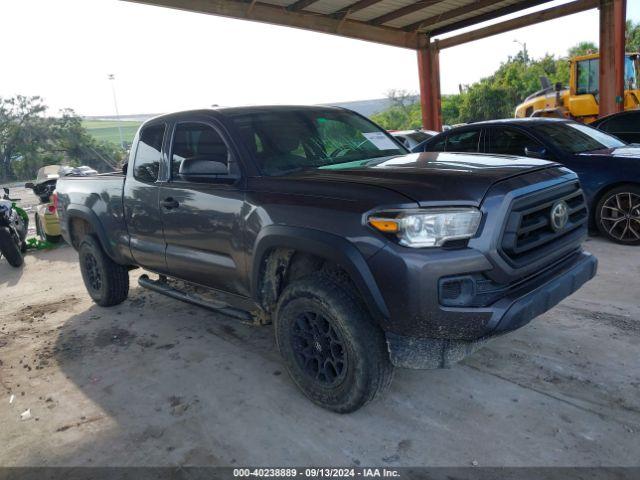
<point>385,225</point>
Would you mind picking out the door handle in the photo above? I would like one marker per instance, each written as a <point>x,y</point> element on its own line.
<point>170,203</point>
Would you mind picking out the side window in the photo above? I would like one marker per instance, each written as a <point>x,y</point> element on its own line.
<point>439,145</point>
<point>622,123</point>
<point>509,142</point>
<point>463,142</point>
<point>588,76</point>
<point>197,141</point>
<point>146,165</point>
<point>604,126</point>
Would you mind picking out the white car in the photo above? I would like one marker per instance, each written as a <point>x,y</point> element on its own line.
<point>411,138</point>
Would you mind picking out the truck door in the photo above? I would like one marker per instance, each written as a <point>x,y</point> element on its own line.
<point>141,205</point>
<point>202,204</point>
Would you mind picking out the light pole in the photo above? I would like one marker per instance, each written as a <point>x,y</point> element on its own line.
<point>524,50</point>
<point>112,79</point>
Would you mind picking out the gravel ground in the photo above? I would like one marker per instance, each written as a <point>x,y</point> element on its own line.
<point>158,382</point>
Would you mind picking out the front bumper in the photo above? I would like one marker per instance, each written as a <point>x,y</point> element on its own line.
<point>513,311</point>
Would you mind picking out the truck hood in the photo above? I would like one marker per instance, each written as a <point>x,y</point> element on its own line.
<point>431,177</point>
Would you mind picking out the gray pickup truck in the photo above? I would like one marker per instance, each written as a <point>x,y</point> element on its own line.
<point>362,256</point>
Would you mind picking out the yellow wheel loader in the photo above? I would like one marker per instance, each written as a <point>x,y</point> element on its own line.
<point>579,101</point>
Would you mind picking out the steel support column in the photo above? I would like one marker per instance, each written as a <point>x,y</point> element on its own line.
<point>612,46</point>
<point>429,72</point>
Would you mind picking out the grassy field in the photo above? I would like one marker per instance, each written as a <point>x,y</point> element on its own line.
<point>108,130</point>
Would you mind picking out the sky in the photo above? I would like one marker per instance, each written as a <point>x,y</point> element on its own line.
<point>166,60</point>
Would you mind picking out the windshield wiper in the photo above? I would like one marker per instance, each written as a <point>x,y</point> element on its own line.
<point>595,149</point>
<point>281,173</point>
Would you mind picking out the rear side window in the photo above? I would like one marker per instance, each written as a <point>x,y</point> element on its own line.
<point>438,146</point>
<point>146,165</point>
<point>509,142</point>
<point>463,142</point>
<point>622,123</point>
<point>197,140</point>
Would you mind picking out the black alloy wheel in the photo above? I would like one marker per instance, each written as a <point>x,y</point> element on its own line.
<point>94,275</point>
<point>319,348</point>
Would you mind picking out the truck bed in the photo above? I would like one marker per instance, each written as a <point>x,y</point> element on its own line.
<point>98,195</point>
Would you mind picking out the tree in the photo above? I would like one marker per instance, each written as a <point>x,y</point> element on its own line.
<point>403,114</point>
<point>30,140</point>
<point>451,105</point>
<point>492,97</point>
<point>79,147</point>
<point>22,130</point>
<point>486,101</point>
<point>497,95</point>
<point>402,99</point>
<point>582,48</point>
<point>633,36</point>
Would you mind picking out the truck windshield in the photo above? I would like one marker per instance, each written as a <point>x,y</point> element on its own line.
<point>631,72</point>
<point>291,140</point>
<point>575,137</point>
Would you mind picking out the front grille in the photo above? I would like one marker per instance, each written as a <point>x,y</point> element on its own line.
<point>529,234</point>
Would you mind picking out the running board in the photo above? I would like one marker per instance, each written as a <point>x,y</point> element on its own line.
<point>165,289</point>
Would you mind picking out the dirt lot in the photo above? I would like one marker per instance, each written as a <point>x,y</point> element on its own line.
<point>158,382</point>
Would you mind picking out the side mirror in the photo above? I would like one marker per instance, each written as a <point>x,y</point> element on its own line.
<point>6,190</point>
<point>29,185</point>
<point>202,168</point>
<point>558,87</point>
<point>536,152</point>
<point>125,166</point>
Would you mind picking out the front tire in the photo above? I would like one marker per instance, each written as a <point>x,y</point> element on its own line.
<point>10,248</point>
<point>618,215</point>
<point>332,350</point>
<point>106,281</point>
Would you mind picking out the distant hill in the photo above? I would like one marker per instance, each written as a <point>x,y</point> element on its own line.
<point>364,107</point>
<point>105,127</point>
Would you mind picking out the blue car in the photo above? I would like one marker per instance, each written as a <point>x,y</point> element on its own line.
<point>609,169</point>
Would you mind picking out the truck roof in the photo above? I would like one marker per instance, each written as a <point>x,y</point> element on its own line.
<point>231,111</point>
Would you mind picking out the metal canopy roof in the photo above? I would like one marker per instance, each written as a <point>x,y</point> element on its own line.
<point>401,23</point>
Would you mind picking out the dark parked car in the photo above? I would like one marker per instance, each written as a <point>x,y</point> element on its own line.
<point>316,220</point>
<point>624,125</point>
<point>608,168</point>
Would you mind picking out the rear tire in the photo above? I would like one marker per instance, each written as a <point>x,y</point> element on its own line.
<point>39,230</point>
<point>9,248</point>
<point>332,349</point>
<point>617,215</point>
<point>106,281</point>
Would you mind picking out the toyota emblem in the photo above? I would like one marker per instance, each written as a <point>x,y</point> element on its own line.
<point>559,215</point>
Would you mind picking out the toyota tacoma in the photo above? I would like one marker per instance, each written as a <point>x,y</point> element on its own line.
<point>314,219</point>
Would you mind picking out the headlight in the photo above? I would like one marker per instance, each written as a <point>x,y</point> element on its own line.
<point>428,227</point>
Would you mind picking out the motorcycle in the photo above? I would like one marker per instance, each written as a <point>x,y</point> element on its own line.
<point>14,224</point>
